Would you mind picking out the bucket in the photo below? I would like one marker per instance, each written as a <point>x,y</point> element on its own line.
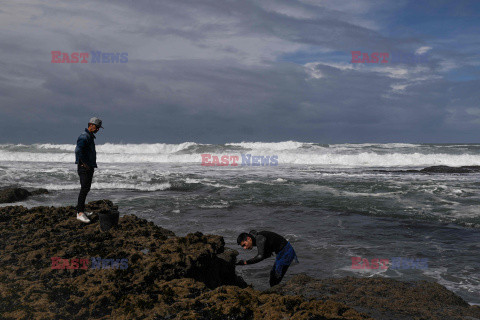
<point>108,219</point>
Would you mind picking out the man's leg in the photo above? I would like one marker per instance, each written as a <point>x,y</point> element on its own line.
<point>275,277</point>
<point>85,182</point>
<point>283,260</point>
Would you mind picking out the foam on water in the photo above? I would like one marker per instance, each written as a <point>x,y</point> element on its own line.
<point>276,146</point>
<point>289,152</point>
<point>103,186</point>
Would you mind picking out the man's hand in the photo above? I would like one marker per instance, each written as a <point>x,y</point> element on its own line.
<point>85,165</point>
<point>241,263</point>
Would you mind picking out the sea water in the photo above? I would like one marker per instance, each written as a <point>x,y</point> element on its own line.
<point>332,202</point>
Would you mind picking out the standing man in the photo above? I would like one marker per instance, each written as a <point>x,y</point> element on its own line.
<point>268,242</point>
<point>86,159</point>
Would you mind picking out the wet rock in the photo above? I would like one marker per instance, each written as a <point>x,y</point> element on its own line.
<point>437,169</point>
<point>167,277</point>
<point>447,169</point>
<point>170,277</point>
<point>12,194</point>
<point>39,191</point>
<point>383,298</point>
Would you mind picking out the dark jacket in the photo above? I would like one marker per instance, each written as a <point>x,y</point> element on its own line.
<point>85,151</point>
<point>267,243</point>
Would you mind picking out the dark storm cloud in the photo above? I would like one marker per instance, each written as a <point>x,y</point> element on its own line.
<point>207,71</point>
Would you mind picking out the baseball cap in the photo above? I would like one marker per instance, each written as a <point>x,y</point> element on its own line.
<point>96,122</point>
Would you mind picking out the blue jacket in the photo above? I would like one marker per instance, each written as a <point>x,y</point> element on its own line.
<point>85,150</point>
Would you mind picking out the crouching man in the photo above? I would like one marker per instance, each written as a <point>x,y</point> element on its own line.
<point>268,242</point>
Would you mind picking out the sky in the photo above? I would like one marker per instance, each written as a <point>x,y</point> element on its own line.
<point>219,71</point>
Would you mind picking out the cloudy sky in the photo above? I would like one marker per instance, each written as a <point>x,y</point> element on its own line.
<point>216,71</point>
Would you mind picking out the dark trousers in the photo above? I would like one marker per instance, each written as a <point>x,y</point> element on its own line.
<point>274,277</point>
<point>282,261</point>
<point>86,176</point>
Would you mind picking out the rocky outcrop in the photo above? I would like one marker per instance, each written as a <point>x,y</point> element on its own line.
<point>437,169</point>
<point>447,169</point>
<point>384,298</point>
<point>54,267</point>
<point>167,277</point>
<point>12,194</point>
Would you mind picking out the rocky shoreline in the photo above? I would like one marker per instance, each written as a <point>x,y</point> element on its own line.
<point>42,276</point>
<point>14,194</point>
<point>438,169</point>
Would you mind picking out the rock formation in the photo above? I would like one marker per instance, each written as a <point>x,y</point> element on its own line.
<point>50,269</point>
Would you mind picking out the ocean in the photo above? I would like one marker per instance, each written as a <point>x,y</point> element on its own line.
<point>332,202</point>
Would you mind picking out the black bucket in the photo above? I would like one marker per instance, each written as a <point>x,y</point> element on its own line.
<point>108,219</point>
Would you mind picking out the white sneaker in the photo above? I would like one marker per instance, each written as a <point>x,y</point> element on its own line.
<point>82,218</point>
<point>88,214</point>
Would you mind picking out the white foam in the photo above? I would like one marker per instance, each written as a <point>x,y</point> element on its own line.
<point>288,152</point>
<point>144,148</point>
<point>105,185</point>
<point>278,146</point>
<point>65,147</point>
